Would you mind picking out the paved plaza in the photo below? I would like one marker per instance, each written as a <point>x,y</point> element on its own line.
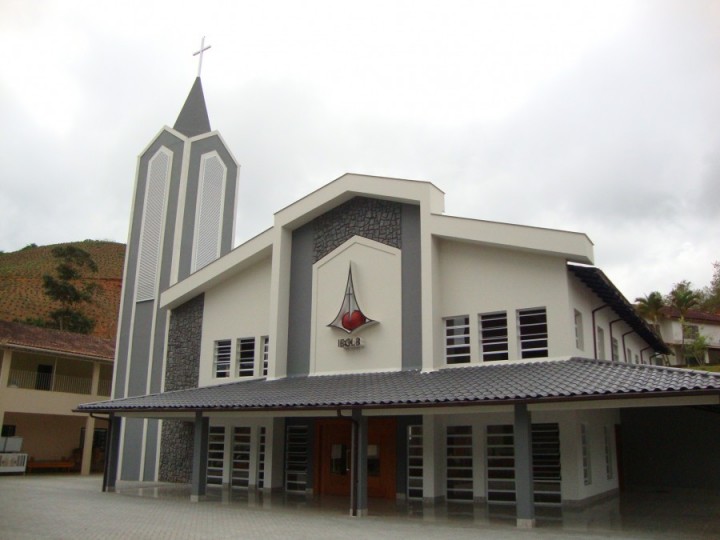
<point>73,507</point>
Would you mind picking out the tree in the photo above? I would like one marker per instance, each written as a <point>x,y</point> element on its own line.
<point>65,290</point>
<point>684,298</point>
<point>649,307</point>
<point>711,300</point>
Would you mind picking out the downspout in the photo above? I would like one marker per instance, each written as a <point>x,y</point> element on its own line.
<point>641,354</point>
<point>594,329</point>
<point>624,348</point>
<point>611,337</point>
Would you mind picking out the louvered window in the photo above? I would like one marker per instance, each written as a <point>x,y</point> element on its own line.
<point>533,333</point>
<point>246,357</point>
<point>158,176</point>
<point>457,340</point>
<point>494,336</point>
<point>266,354</point>
<point>211,192</point>
<point>222,358</point>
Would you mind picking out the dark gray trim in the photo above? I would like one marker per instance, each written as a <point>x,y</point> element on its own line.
<point>132,449</point>
<point>524,497</point>
<point>411,288</point>
<point>175,145</point>
<point>112,452</point>
<point>197,150</point>
<point>151,449</point>
<point>200,447</point>
<point>140,352</point>
<point>300,304</point>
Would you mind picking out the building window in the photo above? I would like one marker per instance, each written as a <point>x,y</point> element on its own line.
<point>609,468</point>
<point>8,430</point>
<point>457,339</point>
<point>692,332</point>
<point>493,336</point>
<point>601,343</point>
<point>266,354</point>
<point>628,359</point>
<point>222,358</point>
<point>585,441</point>
<point>211,193</point>
<point>246,357</point>
<point>637,359</point>
<point>615,350</point>
<point>533,333</point>
<point>579,341</point>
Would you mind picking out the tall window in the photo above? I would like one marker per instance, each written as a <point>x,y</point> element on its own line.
<point>156,182</point>
<point>222,358</point>
<point>579,341</point>
<point>493,336</point>
<point>533,333</point>
<point>609,468</point>
<point>246,357</point>
<point>457,339</point>
<point>601,343</point>
<point>615,351</point>
<point>585,441</point>
<point>266,354</point>
<point>208,226</point>
<point>629,356</point>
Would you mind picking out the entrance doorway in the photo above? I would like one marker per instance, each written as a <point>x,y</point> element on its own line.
<point>333,440</point>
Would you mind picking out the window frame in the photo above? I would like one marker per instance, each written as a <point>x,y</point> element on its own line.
<point>245,356</point>
<point>490,336</point>
<point>451,356</point>
<point>526,339</point>
<point>222,347</point>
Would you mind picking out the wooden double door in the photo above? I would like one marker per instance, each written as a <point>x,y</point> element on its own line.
<point>333,457</point>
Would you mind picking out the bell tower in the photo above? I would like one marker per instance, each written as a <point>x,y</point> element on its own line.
<point>183,218</point>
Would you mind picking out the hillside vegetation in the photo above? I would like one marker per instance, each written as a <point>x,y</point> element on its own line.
<point>21,290</point>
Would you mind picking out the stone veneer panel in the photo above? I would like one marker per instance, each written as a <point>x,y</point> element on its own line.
<point>370,218</point>
<point>181,372</point>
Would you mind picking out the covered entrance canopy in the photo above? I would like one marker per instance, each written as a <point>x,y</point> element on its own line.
<point>523,386</point>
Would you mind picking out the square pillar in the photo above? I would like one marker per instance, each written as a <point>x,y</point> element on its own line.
<point>525,504</point>
<point>274,453</point>
<point>112,452</point>
<point>88,446</point>
<point>358,470</point>
<point>199,465</point>
<point>433,459</point>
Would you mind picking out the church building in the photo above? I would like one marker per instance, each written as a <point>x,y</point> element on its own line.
<point>367,345</point>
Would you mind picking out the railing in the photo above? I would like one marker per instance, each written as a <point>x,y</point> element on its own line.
<point>50,382</point>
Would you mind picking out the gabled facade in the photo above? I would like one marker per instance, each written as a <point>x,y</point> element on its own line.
<point>368,345</point>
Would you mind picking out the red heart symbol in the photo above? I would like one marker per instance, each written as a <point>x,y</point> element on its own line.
<point>353,320</point>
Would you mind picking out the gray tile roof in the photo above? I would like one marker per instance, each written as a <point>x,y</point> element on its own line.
<point>574,378</point>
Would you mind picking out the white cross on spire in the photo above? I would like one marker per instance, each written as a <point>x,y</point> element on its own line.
<point>202,50</point>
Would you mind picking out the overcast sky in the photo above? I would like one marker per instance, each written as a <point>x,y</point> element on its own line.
<point>601,117</point>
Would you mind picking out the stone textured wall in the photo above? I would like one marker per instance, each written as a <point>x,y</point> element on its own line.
<point>181,371</point>
<point>370,218</point>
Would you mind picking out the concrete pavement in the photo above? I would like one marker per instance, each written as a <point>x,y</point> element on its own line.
<point>73,507</point>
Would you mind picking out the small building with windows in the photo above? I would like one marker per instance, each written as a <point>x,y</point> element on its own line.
<point>368,345</point>
<point>44,375</point>
<point>697,324</point>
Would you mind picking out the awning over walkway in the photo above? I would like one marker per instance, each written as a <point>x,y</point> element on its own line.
<point>533,381</point>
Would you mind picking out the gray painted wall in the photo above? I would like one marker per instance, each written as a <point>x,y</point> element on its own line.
<point>390,223</point>
<point>299,316</point>
<point>674,447</point>
<point>411,289</point>
<point>197,149</point>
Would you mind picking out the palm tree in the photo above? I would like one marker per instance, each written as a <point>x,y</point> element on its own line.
<point>683,298</point>
<point>649,307</point>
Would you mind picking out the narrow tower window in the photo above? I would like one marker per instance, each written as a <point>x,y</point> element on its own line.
<point>208,226</point>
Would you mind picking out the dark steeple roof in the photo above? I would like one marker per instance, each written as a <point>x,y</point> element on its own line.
<point>193,118</point>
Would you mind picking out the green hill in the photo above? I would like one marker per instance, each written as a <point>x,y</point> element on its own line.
<point>21,292</point>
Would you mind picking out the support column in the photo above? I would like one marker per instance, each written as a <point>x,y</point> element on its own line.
<point>274,453</point>
<point>112,452</point>
<point>87,446</point>
<point>95,383</point>
<point>525,506</point>
<point>199,466</point>
<point>358,470</point>
<point>4,377</point>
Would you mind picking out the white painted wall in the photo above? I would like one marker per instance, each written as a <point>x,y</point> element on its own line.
<point>474,279</point>
<point>377,280</point>
<point>236,308</point>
